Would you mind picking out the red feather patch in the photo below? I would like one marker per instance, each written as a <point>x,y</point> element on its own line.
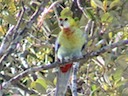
<point>65,68</point>
<point>67,31</point>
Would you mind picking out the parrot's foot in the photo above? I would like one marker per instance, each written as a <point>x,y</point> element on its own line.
<point>64,60</point>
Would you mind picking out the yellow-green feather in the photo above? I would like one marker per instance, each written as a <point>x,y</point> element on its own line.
<point>71,43</point>
<point>75,40</point>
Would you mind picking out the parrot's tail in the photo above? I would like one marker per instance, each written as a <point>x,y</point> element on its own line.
<point>62,82</point>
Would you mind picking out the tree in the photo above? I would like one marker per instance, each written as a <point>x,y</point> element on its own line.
<point>27,35</point>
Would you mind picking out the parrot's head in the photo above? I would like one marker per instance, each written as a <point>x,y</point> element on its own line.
<point>66,22</point>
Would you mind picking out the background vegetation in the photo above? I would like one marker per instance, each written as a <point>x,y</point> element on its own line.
<point>27,40</point>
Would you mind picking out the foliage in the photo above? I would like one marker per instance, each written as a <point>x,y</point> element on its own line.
<point>103,75</point>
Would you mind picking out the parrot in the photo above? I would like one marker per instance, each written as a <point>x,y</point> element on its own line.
<point>69,44</point>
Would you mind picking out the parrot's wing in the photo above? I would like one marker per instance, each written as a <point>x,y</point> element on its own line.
<point>83,47</point>
<point>57,46</point>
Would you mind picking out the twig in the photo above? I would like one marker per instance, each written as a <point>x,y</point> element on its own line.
<point>20,18</point>
<point>117,29</point>
<point>19,85</point>
<point>48,10</point>
<point>55,64</point>
<point>87,30</point>
<point>92,29</point>
<point>82,9</point>
<point>11,34</point>
<point>20,33</point>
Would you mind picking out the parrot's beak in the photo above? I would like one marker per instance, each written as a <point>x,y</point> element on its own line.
<point>64,23</point>
<point>61,24</point>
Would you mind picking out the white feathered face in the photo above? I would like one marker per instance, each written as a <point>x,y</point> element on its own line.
<point>64,23</point>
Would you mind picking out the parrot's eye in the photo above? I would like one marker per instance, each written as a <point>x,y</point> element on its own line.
<point>66,19</point>
<point>60,19</point>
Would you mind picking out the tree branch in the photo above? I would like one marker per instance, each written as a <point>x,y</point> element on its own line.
<point>55,64</point>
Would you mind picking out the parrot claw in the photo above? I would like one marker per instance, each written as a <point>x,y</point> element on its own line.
<point>66,59</point>
<point>55,70</point>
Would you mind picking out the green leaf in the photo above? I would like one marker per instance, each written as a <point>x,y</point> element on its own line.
<point>42,82</point>
<point>97,3</point>
<point>12,7</point>
<point>106,17</point>
<point>118,74</point>
<point>33,84</point>
<point>94,87</point>
<point>40,85</point>
<point>40,88</point>
<point>115,3</point>
<point>110,34</point>
<point>2,31</point>
<point>10,19</point>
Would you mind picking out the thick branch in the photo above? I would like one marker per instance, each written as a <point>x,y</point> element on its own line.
<point>57,64</point>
